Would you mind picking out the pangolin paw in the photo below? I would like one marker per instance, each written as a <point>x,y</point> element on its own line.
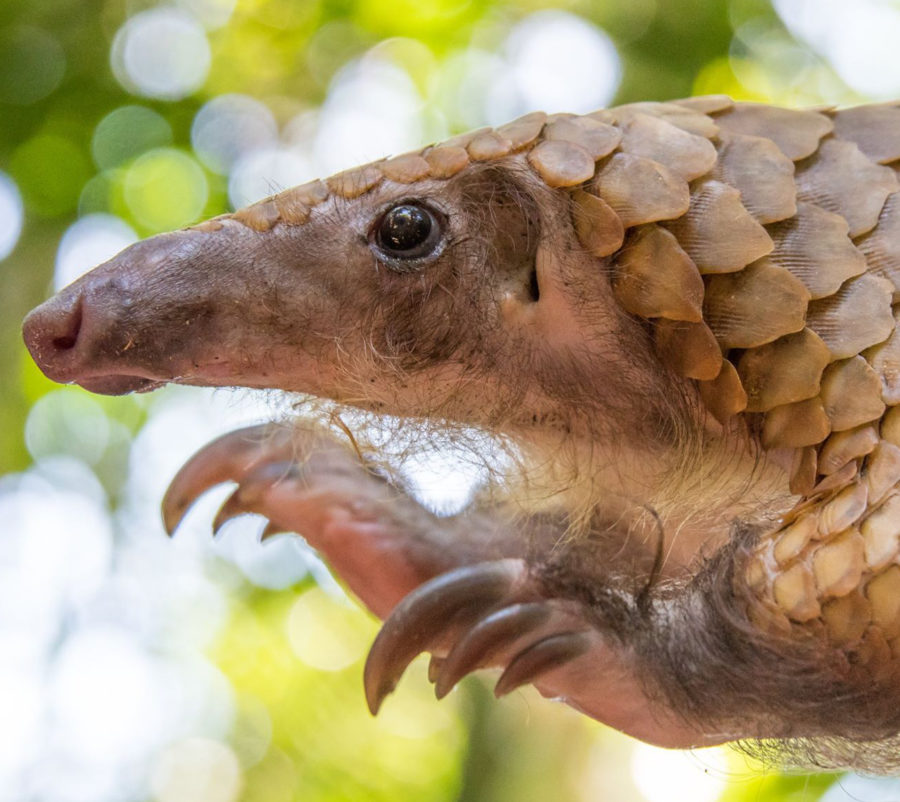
<point>272,465</point>
<point>487,614</point>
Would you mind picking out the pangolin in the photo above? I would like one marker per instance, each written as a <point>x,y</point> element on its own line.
<point>678,318</point>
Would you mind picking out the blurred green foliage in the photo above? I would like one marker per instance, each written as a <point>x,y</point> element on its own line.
<point>61,140</point>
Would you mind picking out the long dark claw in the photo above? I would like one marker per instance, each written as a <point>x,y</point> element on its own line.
<point>252,488</point>
<point>434,668</point>
<point>541,657</point>
<point>420,621</point>
<point>225,458</point>
<point>270,530</point>
<point>488,637</point>
<point>232,507</point>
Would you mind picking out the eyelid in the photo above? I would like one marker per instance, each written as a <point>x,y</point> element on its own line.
<point>409,264</point>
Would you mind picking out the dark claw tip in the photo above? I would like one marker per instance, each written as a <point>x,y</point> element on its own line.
<point>270,530</point>
<point>231,508</point>
<point>434,668</point>
<point>488,637</point>
<point>539,658</point>
<point>420,620</point>
<point>173,512</point>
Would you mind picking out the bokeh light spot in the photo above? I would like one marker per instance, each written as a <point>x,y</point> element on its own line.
<point>228,127</point>
<point>561,62</point>
<point>106,692</point>
<point>126,133</point>
<point>89,242</point>
<point>161,53</point>
<point>276,564</point>
<point>165,189</point>
<point>50,171</point>
<point>665,774</point>
<point>859,39</point>
<point>197,770</point>
<point>264,172</point>
<point>853,788</point>
<point>325,633</point>
<point>411,17</point>
<point>67,421</point>
<point>32,66</point>
<point>353,126</point>
<point>11,215</point>
<point>21,701</point>
<point>62,540</point>
<point>212,13</point>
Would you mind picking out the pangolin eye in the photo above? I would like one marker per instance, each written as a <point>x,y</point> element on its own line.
<point>407,231</point>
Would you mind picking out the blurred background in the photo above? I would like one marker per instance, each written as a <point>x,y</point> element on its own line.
<point>137,668</point>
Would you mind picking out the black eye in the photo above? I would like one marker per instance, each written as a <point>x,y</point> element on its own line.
<point>407,231</point>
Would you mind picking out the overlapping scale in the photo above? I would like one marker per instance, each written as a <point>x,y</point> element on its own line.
<point>754,306</point>
<point>488,145</point>
<point>803,423</point>
<point>686,154</point>
<point>653,277</point>
<point>561,163</point>
<point>523,131</point>
<point>851,393</point>
<point>856,317</point>
<point>679,115</point>
<point>641,190</point>
<point>797,133</point>
<point>761,172</point>
<point>845,446</point>
<point>874,128</point>
<point>706,104</point>
<point>724,396</point>
<point>446,160</point>
<point>718,233</point>
<point>784,371</point>
<point>814,245</point>
<point>690,349</point>
<point>842,180</point>
<point>881,246</point>
<point>885,361</point>
<point>405,169</point>
<point>597,225</point>
<point>597,138</point>
<point>355,182</point>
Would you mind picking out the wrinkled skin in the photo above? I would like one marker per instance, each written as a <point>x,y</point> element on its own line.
<point>608,584</point>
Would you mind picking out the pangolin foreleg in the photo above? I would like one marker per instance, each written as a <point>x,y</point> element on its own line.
<point>475,589</point>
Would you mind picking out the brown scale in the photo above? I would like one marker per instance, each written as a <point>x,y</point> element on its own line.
<point>761,172</point>
<point>720,235</point>
<point>841,179</point>
<point>754,306</point>
<point>814,245</point>
<point>885,361</point>
<point>881,246</point>
<point>641,190</point>
<point>762,247</point>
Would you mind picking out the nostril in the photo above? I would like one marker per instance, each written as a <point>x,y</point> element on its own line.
<point>66,342</point>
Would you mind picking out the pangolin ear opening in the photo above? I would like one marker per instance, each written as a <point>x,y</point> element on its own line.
<point>505,218</point>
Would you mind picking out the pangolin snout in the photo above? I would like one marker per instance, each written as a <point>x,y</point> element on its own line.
<point>69,337</point>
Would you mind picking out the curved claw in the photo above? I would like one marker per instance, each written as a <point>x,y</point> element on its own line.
<point>485,639</point>
<point>541,657</point>
<point>419,622</point>
<point>434,668</point>
<point>252,487</point>
<point>270,530</point>
<point>226,458</point>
